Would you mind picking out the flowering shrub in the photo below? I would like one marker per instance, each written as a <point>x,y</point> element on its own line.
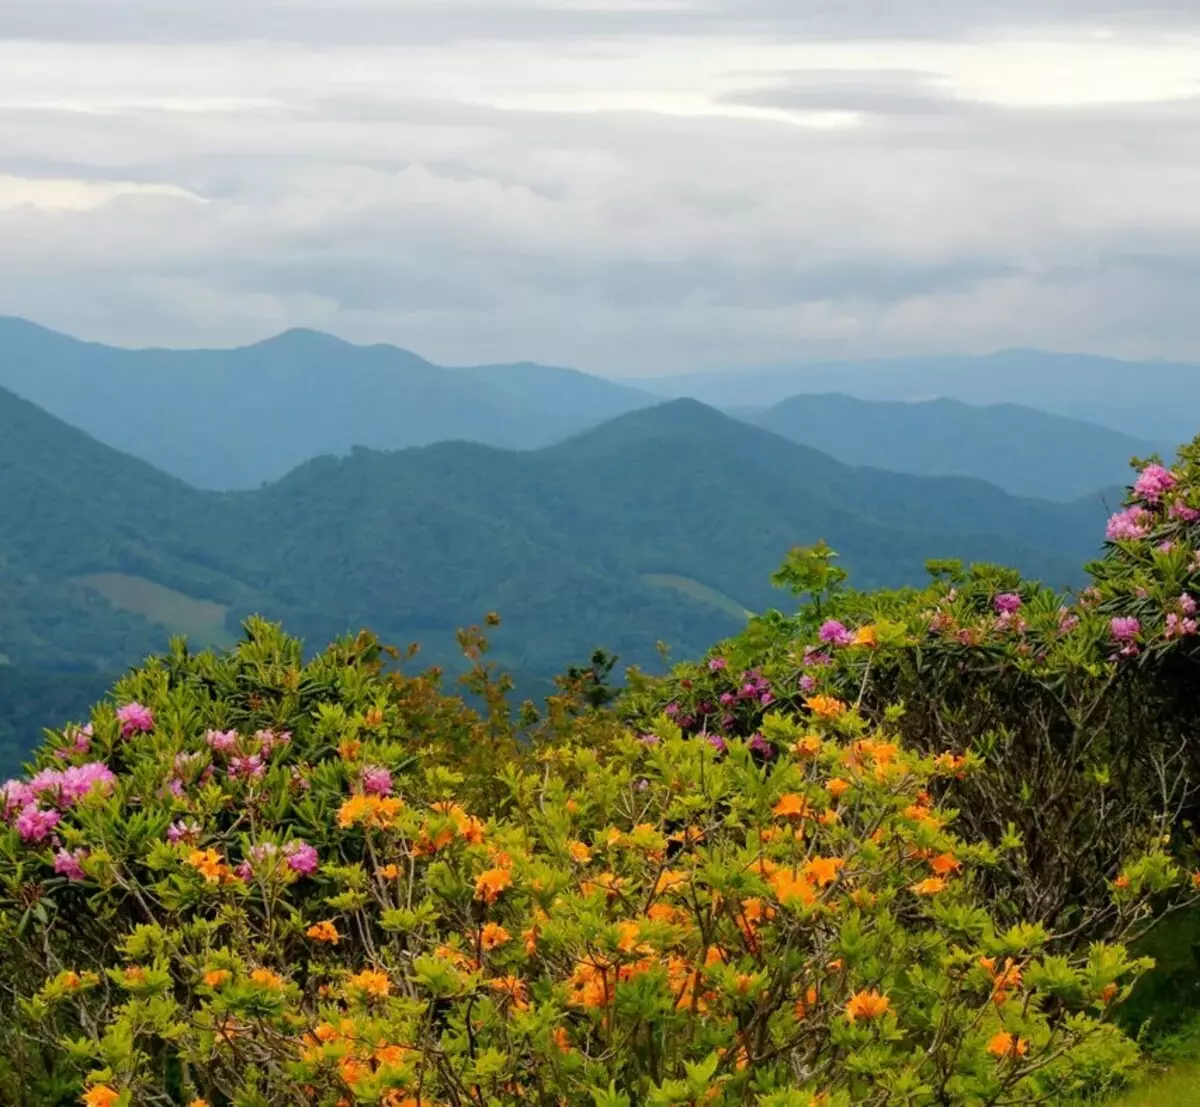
<point>624,918</point>
<point>1078,707</point>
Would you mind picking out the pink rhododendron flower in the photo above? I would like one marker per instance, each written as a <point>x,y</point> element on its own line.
<point>1007,603</point>
<point>14,795</point>
<point>301,858</point>
<point>1183,512</point>
<point>135,718</point>
<point>35,824</point>
<point>221,740</point>
<point>716,664</point>
<point>1179,627</point>
<point>269,740</point>
<point>181,831</point>
<point>252,767</point>
<point>835,633</point>
<point>1153,481</point>
<point>808,684</point>
<point>759,744</point>
<point>69,864</point>
<point>1067,622</point>
<point>377,781</point>
<point>64,788</point>
<point>1132,523</point>
<point>1125,628</point>
<point>717,743</point>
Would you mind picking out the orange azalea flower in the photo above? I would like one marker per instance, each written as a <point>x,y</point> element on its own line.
<point>1121,882</point>
<point>512,990</point>
<point>805,1004</point>
<point>353,1071</point>
<point>207,862</point>
<point>390,872</point>
<point>373,717</point>
<point>580,852</point>
<point>828,817</point>
<point>867,1005</point>
<point>791,806</point>
<point>808,746</point>
<point>100,1096</point>
<point>324,932</point>
<point>349,749</point>
<point>1007,1045</point>
<point>325,1032</point>
<point>837,787</point>
<point>561,1039</point>
<point>372,983</point>
<point>199,1103</point>
<point>135,974</point>
<point>945,864</point>
<point>369,810</point>
<point>823,871</point>
<point>1109,993</point>
<point>866,636</point>
<point>70,980</point>
<point>493,935</point>
<point>825,707</point>
<point>392,1055</point>
<point>929,887</point>
<point>689,836</point>
<point>669,880</point>
<point>948,762</point>
<point>491,883</point>
<point>214,978</point>
<point>265,978</point>
<point>789,888</point>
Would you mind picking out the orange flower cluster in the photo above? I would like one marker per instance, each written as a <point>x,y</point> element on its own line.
<point>369,811</point>
<point>1006,1046</point>
<point>1004,980</point>
<point>209,864</point>
<point>825,707</point>
<point>324,932</point>
<point>867,1005</point>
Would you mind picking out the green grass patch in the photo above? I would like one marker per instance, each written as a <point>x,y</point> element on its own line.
<point>694,590</point>
<point>201,620</point>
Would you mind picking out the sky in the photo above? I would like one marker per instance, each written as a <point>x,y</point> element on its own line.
<point>632,187</point>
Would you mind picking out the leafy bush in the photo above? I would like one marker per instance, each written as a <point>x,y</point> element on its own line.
<point>256,881</point>
<point>1079,707</point>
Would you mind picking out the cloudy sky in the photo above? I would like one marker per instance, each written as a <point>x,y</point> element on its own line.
<point>630,186</point>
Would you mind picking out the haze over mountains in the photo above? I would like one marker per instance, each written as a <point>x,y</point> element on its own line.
<point>1155,400</point>
<point>232,419</point>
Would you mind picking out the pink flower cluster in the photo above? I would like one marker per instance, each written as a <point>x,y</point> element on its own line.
<point>135,718</point>
<point>297,855</point>
<point>69,863</point>
<point>1007,603</point>
<point>1153,483</point>
<point>21,801</point>
<point>1129,525</point>
<point>181,831</point>
<point>247,757</point>
<point>836,633</point>
<point>376,781</point>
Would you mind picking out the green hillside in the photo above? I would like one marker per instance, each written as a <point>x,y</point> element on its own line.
<point>662,525</point>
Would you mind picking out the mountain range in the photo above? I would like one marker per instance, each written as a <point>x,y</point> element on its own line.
<point>1154,400</point>
<point>662,523</point>
<point>234,419</point>
<point>1025,451</point>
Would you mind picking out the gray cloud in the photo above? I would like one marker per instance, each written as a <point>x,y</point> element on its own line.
<point>633,206</point>
<point>404,22</point>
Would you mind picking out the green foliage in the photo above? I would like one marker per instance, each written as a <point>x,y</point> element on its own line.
<point>321,883</point>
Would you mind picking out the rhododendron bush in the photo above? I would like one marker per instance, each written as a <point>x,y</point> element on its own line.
<point>1079,708</point>
<point>294,883</point>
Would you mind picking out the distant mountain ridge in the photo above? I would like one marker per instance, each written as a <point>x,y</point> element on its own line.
<point>232,419</point>
<point>1023,451</point>
<point>1155,400</point>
